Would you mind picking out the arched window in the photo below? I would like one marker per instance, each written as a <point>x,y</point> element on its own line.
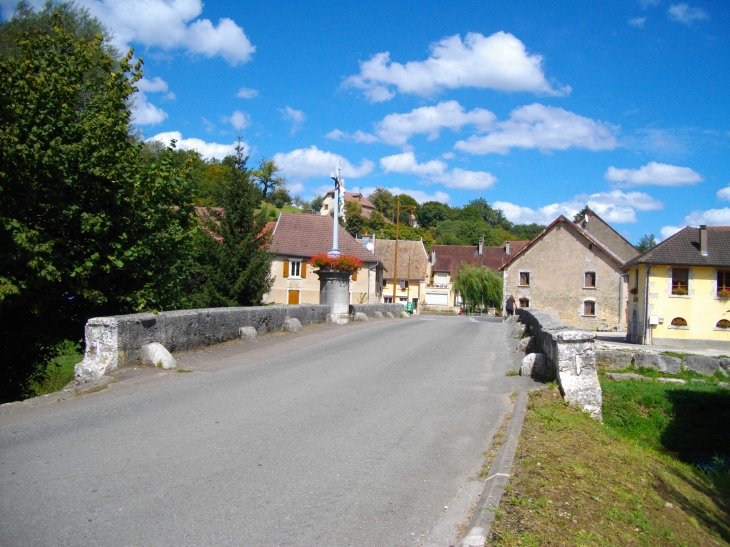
<point>723,324</point>
<point>679,322</point>
<point>524,302</point>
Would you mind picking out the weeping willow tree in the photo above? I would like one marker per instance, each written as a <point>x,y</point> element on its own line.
<point>479,286</point>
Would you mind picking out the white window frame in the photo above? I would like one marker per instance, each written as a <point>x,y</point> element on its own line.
<point>292,268</point>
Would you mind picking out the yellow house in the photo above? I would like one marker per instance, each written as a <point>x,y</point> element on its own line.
<point>679,291</point>
<point>296,238</point>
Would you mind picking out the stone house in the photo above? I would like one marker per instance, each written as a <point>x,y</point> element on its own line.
<point>680,290</point>
<point>445,262</point>
<point>328,205</point>
<point>413,272</point>
<point>571,273</point>
<point>296,238</point>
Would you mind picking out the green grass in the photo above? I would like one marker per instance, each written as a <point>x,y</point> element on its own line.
<point>59,373</point>
<point>273,212</point>
<point>684,374</point>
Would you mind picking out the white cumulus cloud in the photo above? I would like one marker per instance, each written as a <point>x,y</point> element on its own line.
<point>724,193</point>
<point>295,117</point>
<point>437,171</point>
<point>545,128</point>
<point>653,173</point>
<point>171,25</point>
<point>247,93</point>
<point>357,136</point>
<point>144,112</point>
<point>615,207</point>
<point>499,61</point>
<point>686,14</point>
<point>637,22</point>
<point>668,231</point>
<point>306,163</point>
<point>429,120</point>
<point>206,149</point>
<point>239,120</point>
<point>710,217</point>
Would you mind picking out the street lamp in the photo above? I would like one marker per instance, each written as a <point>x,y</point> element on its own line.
<point>335,232</point>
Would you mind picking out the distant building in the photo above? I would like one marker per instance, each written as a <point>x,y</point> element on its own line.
<point>680,290</point>
<point>295,240</point>
<point>328,205</point>
<point>445,262</point>
<point>413,272</point>
<point>572,271</point>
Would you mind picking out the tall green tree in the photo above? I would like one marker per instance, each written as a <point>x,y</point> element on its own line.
<point>478,286</point>
<point>383,201</point>
<point>646,243</point>
<point>267,177</point>
<point>233,265</point>
<point>354,221</point>
<point>86,228</point>
<point>431,213</point>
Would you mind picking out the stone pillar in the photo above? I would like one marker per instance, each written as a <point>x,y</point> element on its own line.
<point>334,291</point>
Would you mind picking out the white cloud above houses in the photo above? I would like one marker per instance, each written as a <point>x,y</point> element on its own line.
<point>724,193</point>
<point>653,173</point>
<point>499,61</point>
<point>615,207</point>
<point>437,171</point>
<point>545,128</point>
<point>206,149</point>
<point>686,14</point>
<point>307,163</point>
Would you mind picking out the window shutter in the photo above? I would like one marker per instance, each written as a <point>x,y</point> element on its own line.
<point>286,268</point>
<point>303,271</point>
<point>354,276</point>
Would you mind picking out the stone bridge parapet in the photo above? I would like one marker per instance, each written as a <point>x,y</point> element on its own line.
<point>370,309</point>
<point>570,356</point>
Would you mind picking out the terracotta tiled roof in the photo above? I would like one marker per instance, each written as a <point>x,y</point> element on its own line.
<point>308,235</point>
<point>385,251</point>
<point>683,249</point>
<point>448,257</point>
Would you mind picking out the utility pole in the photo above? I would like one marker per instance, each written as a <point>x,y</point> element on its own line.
<point>395,262</point>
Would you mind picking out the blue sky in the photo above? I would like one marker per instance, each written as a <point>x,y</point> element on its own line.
<point>537,107</point>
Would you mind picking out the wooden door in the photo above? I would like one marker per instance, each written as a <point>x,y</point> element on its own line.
<point>293,297</point>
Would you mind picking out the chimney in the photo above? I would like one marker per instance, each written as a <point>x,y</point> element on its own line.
<point>506,248</point>
<point>481,245</point>
<point>703,239</point>
<point>433,257</point>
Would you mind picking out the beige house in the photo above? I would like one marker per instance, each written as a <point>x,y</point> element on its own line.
<point>445,262</point>
<point>295,240</point>
<point>572,271</point>
<point>413,272</point>
<point>328,205</point>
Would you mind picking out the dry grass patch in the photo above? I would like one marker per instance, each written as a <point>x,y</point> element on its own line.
<point>576,482</point>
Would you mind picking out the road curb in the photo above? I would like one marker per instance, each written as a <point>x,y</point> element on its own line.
<point>499,473</point>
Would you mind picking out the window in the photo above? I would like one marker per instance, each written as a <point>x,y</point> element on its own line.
<point>723,324</point>
<point>723,284</point>
<point>388,299</point>
<point>680,281</point>
<point>679,322</point>
<point>589,280</point>
<point>403,284</point>
<point>524,302</point>
<point>295,269</point>
<point>589,307</point>
<point>525,278</point>
<point>326,206</point>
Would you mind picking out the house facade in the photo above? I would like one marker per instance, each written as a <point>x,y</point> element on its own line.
<point>445,262</point>
<point>680,290</point>
<point>328,204</point>
<point>413,271</point>
<point>296,238</point>
<point>568,272</point>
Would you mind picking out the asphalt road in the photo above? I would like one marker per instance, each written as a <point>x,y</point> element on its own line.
<point>356,438</point>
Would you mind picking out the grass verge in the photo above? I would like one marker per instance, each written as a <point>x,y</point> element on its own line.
<point>59,373</point>
<point>577,482</point>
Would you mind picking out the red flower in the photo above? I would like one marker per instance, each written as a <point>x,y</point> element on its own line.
<point>345,263</point>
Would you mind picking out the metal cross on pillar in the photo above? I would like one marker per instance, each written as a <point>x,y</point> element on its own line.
<point>335,229</point>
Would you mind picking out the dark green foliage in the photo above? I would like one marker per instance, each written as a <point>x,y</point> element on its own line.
<point>646,243</point>
<point>234,267</point>
<point>86,229</point>
<point>431,213</point>
<point>354,221</point>
<point>384,202</point>
<point>493,217</point>
<point>267,178</point>
<point>479,286</point>
<point>376,222</point>
<point>279,197</point>
<point>580,215</point>
<point>408,207</point>
<point>526,232</point>
<point>316,203</point>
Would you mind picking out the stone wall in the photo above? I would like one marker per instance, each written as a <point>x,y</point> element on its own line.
<point>370,309</point>
<point>570,356</point>
<point>113,342</point>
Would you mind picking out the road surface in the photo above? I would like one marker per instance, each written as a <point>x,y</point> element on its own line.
<point>358,435</point>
